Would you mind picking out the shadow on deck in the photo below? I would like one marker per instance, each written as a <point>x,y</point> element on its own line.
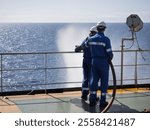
<point>126,101</point>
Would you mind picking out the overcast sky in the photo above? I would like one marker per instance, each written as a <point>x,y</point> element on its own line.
<point>72,10</point>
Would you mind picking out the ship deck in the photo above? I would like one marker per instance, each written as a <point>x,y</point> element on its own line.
<point>130,100</point>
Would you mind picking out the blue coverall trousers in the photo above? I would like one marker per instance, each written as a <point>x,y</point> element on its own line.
<point>99,71</point>
<point>86,76</point>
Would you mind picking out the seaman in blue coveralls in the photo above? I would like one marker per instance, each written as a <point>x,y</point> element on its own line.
<point>86,64</point>
<point>101,53</point>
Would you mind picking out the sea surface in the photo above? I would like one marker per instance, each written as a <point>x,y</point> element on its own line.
<point>24,72</point>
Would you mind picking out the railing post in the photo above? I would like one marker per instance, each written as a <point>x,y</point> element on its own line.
<point>45,67</point>
<point>135,80</point>
<point>1,73</point>
<point>122,49</point>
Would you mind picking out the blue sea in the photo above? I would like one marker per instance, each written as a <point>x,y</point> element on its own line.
<point>56,37</point>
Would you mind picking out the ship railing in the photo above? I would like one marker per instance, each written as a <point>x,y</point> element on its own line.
<point>135,64</point>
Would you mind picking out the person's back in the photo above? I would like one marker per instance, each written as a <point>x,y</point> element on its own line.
<point>101,53</point>
<point>100,46</point>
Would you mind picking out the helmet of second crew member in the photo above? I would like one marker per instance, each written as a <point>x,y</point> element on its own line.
<point>93,29</point>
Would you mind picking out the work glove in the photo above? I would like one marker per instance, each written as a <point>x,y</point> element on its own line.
<point>78,49</point>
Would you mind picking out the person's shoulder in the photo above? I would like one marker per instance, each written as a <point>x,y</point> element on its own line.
<point>106,38</point>
<point>93,38</point>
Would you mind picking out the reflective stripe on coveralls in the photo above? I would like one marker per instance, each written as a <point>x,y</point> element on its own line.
<point>87,89</point>
<point>93,92</point>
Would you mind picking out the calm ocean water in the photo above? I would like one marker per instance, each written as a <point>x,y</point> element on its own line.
<point>50,37</point>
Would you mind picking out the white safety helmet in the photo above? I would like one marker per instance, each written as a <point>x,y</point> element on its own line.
<point>93,29</point>
<point>101,24</point>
